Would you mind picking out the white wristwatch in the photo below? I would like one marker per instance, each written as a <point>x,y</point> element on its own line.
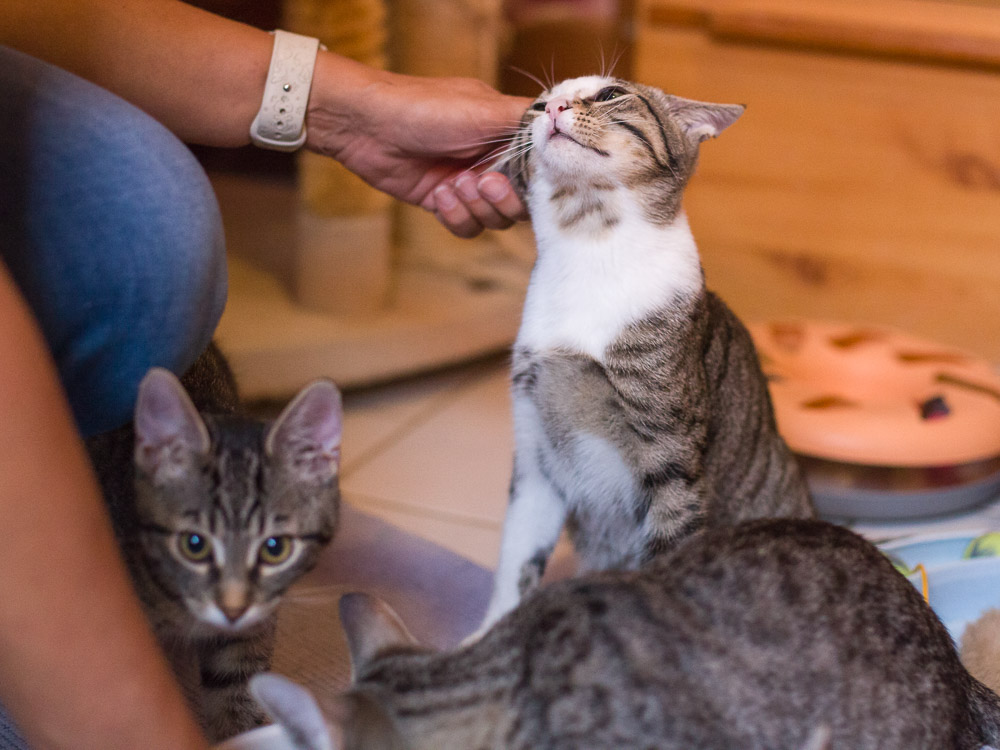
<point>280,123</point>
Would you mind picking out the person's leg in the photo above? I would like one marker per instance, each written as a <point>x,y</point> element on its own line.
<point>110,228</point>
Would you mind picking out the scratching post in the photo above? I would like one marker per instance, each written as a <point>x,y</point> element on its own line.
<point>442,38</point>
<point>343,257</point>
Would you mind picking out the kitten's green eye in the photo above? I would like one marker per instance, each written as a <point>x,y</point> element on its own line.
<point>195,547</point>
<point>609,93</point>
<point>538,106</point>
<point>275,550</point>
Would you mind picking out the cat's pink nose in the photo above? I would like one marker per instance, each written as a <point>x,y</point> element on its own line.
<point>555,106</point>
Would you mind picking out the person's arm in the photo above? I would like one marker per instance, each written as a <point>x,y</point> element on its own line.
<point>203,77</point>
<point>79,667</point>
<point>199,74</point>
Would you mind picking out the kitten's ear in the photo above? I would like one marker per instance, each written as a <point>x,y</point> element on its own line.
<point>165,419</point>
<point>306,436</point>
<point>702,120</point>
<point>294,708</point>
<point>371,627</point>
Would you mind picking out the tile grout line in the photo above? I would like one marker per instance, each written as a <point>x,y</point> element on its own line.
<point>423,416</point>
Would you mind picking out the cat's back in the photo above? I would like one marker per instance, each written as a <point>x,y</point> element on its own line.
<point>752,470</point>
<point>748,637</point>
<point>211,384</point>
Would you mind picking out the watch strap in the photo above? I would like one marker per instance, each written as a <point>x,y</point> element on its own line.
<point>280,122</point>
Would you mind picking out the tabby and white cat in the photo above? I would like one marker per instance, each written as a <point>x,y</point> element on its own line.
<point>640,410</point>
<point>768,635</point>
<point>217,515</point>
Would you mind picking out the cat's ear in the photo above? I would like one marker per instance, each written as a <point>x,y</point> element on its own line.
<point>371,627</point>
<point>306,436</point>
<point>702,120</point>
<point>294,708</point>
<point>165,421</point>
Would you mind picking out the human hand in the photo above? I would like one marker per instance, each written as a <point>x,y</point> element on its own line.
<point>422,140</point>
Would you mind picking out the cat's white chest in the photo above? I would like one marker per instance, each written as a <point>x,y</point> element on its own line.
<point>586,289</point>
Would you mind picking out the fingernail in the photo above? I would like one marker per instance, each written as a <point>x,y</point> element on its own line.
<point>466,186</point>
<point>494,188</point>
<point>445,197</point>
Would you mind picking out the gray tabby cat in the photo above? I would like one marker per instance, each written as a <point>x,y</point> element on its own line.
<point>218,517</point>
<point>769,635</point>
<point>640,410</point>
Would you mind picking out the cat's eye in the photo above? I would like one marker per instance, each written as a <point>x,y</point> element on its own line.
<point>538,106</point>
<point>275,550</point>
<point>195,547</point>
<point>609,93</point>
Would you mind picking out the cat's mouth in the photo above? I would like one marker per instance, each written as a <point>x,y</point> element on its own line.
<point>560,134</point>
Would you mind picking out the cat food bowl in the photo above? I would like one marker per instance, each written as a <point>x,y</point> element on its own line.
<point>270,737</point>
<point>886,425</point>
<point>960,592</point>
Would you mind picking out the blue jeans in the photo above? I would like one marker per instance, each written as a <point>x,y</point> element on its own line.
<point>110,229</point>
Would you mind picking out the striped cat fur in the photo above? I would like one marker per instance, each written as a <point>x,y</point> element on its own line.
<point>640,410</point>
<point>768,635</point>
<point>217,515</point>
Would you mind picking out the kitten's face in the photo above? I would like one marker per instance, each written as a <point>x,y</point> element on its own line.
<point>234,511</point>
<point>588,137</point>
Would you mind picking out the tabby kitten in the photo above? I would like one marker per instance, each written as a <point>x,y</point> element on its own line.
<point>640,410</point>
<point>217,515</point>
<point>769,635</point>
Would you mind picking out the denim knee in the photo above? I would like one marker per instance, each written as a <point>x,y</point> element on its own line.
<point>112,232</point>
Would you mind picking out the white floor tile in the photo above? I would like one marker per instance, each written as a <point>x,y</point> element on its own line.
<point>375,417</point>
<point>455,462</point>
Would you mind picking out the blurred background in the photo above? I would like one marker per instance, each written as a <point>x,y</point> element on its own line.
<point>862,185</point>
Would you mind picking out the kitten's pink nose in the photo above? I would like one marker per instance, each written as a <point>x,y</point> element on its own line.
<point>555,106</point>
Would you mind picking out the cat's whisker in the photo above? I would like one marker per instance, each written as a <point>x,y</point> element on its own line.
<point>512,154</point>
<point>616,58</point>
<point>499,137</point>
<point>603,67</point>
<point>530,76</point>
<point>505,154</point>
